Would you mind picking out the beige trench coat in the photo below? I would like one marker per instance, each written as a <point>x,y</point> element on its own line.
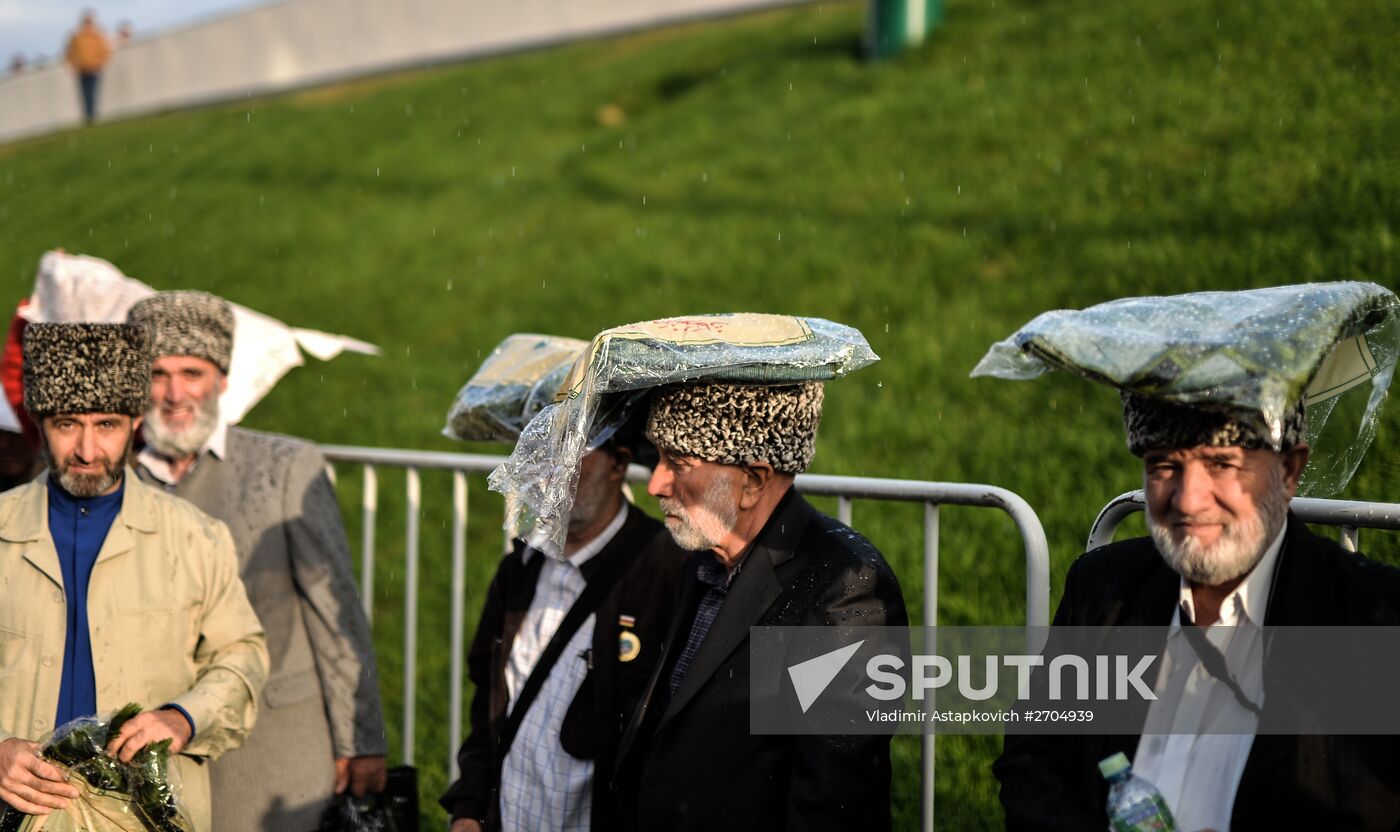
<point>168,619</point>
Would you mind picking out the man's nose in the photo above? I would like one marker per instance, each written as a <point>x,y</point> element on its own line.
<point>660,483</point>
<point>86,449</point>
<point>1194,491</point>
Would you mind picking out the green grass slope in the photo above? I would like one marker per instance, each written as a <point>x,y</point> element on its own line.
<point>1034,155</point>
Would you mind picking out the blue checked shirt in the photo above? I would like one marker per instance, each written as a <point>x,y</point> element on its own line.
<point>542,786</point>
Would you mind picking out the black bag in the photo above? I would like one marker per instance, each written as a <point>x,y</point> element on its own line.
<point>396,810</point>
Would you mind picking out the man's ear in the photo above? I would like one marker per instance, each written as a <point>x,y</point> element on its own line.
<point>136,423</point>
<point>755,477</point>
<point>1295,459</point>
<point>223,382</point>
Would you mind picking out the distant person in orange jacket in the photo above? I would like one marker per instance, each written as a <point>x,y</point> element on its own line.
<point>88,51</point>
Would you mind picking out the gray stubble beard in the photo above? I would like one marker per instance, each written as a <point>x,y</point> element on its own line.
<point>720,514</point>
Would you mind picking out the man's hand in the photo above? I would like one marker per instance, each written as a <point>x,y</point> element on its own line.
<point>30,784</point>
<point>466,825</point>
<point>364,775</point>
<point>146,728</point>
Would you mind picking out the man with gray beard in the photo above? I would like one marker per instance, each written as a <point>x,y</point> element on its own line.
<point>321,729</point>
<point>1224,556</point>
<point>762,557</point>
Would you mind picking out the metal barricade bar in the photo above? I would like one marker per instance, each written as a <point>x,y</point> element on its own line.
<point>1347,515</point>
<point>931,495</point>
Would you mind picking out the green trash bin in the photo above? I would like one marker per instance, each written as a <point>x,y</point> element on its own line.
<point>896,25</point>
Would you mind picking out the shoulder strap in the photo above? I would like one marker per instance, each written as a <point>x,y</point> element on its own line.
<point>1214,661</point>
<point>603,580</point>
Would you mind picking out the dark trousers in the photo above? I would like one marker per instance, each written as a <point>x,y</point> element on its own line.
<point>87,82</point>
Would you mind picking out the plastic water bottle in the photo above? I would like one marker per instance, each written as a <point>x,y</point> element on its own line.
<point>1134,805</point>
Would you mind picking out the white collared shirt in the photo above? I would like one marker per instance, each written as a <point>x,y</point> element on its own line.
<point>1198,773</point>
<point>158,464</point>
<point>542,786</point>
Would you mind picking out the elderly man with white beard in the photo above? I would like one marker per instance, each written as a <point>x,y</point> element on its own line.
<point>321,728</point>
<point>762,556</point>
<point>1227,557</point>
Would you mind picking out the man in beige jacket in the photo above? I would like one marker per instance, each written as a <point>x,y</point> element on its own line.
<point>113,591</point>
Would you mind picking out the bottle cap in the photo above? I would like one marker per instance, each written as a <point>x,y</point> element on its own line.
<point>1110,766</point>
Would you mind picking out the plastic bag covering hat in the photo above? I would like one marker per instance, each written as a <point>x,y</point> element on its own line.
<point>1257,351</point>
<point>518,380</point>
<point>620,368</point>
<point>71,288</point>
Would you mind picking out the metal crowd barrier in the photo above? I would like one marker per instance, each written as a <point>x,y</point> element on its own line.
<point>1347,515</point>
<point>845,489</point>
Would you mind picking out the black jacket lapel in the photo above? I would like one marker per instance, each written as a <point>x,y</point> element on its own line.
<point>754,590</point>
<point>643,715</point>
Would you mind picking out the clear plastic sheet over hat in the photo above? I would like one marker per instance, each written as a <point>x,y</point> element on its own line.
<point>1258,351</point>
<point>611,381</point>
<point>518,380</point>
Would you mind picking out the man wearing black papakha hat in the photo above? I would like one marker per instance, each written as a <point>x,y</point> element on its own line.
<point>1225,555</point>
<point>321,729</point>
<point>763,557</point>
<point>114,592</point>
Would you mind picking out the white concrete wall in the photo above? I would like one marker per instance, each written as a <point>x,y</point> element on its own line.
<point>298,43</point>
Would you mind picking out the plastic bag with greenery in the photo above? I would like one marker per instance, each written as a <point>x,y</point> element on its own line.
<point>114,796</point>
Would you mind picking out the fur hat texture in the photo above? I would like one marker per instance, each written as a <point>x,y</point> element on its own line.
<point>734,424</point>
<point>188,323</point>
<point>1154,425</point>
<point>86,368</point>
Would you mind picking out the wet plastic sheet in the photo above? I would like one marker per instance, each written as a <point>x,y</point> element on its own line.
<point>1258,350</point>
<point>114,796</point>
<point>518,380</point>
<point>75,287</point>
<point>611,380</point>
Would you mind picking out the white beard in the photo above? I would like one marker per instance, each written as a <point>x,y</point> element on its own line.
<point>177,444</point>
<point>707,524</point>
<point>1239,548</point>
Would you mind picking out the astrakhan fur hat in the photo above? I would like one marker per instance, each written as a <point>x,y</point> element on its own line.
<point>1155,424</point>
<point>188,323</point>
<point>735,424</point>
<point>86,368</point>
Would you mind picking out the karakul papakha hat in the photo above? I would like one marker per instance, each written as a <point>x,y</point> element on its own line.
<point>86,368</point>
<point>735,424</point>
<point>188,323</point>
<point>1155,424</point>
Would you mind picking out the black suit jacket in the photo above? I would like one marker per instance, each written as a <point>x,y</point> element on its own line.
<point>592,727</point>
<point>1289,782</point>
<point>691,763</point>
